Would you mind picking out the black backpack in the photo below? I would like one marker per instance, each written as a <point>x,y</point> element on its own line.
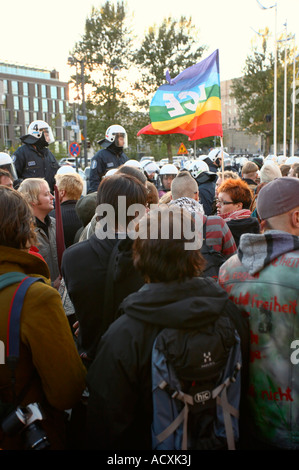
<point>214,259</point>
<point>196,388</point>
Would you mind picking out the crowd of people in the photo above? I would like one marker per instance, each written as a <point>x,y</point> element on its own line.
<point>108,284</point>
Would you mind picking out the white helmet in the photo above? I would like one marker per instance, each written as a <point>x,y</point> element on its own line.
<point>65,170</point>
<point>150,167</point>
<point>6,163</point>
<point>133,163</point>
<point>169,169</point>
<point>216,153</point>
<point>39,128</point>
<point>110,172</point>
<point>198,167</point>
<point>291,160</point>
<point>115,131</point>
<point>242,161</point>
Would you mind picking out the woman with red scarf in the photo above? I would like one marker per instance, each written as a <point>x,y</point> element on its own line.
<point>233,202</point>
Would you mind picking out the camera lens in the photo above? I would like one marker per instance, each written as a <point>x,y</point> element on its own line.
<point>14,422</point>
<point>35,438</point>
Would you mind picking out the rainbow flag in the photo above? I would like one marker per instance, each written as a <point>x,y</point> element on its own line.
<point>190,103</point>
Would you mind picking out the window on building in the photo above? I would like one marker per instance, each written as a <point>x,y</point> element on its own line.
<point>54,106</point>
<point>5,86</point>
<point>35,104</point>
<point>26,103</point>
<point>25,89</point>
<point>62,93</point>
<point>61,109</point>
<point>17,132</point>
<point>16,103</point>
<point>7,116</point>
<point>36,89</point>
<point>14,87</point>
<point>54,92</point>
<point>45,105</point>
<point>34,116</point>
<point>27,118</point>
<point>43,91</point>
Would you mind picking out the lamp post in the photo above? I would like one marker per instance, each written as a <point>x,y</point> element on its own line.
<point>275,75</point>
<point>74,61</point>
<point>286,39</point>
<point>294,100</point>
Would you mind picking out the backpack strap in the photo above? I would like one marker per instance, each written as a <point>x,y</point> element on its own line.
<point>10,278</point>
<point>13,326</point>
<point>13,323</point>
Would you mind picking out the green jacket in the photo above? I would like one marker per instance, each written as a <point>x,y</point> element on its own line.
<point>263,278</point>
<point>49,361</point>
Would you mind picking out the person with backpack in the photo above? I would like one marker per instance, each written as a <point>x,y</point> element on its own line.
<point>48,369</point>
<point>174,296</point>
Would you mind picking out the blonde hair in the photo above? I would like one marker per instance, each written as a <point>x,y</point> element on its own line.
<point>31,188</point>
<point>71,183</point>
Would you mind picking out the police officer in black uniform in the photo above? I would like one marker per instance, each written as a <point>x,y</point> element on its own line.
<point>110,156</point>
<point>33,159</point>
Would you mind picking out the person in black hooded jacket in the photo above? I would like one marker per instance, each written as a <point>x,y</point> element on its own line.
<point>85,265</point>
<point>119,411</point>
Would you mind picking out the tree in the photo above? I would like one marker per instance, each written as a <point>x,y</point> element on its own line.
<point>105,49</point>
<point>254,91</point>
<point>174,46</point>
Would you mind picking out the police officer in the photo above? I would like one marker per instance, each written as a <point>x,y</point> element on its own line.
<point>110,156</point>
<point>33,159</point>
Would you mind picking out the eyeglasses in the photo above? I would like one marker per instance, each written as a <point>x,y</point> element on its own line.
<point>224,203</point>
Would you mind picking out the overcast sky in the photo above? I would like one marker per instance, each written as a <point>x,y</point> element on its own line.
<point>42,34</point>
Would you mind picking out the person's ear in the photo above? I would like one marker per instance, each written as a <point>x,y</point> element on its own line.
<point>295,218</point>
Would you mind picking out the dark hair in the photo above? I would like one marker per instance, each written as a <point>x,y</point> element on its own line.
<point>131,170</point>
<point>16,221</point>
<point>111,187</point>
<point>4,173</point>
<point>166,260</point>
<point>238,190</point>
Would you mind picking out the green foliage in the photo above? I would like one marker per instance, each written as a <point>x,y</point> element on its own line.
<point>106,48</point>
<point>254,92</point>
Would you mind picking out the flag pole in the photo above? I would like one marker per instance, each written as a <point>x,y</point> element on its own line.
<point>222,159</point>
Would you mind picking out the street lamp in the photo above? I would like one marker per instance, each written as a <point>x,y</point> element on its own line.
<point>294,101</point>
<point>275,76</point>
<point>74,61</point>
<point>285,90</point>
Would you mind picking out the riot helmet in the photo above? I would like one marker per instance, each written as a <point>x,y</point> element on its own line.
<point>117,135</point>
<point>6,163</point>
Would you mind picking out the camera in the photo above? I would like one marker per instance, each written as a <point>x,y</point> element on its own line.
<point>25,420</point>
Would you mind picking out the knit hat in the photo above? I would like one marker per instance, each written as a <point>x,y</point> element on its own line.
<point>269,172</point>
<point>278,197</point>
<point>249,167</point>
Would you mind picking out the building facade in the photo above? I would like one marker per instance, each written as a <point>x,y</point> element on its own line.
<point>235,139</point>
<point>28,94</point>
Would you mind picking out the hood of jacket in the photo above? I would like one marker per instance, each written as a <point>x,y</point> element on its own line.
<point>193,303</point>
<point>12,259</point>
<point>258,250</point>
